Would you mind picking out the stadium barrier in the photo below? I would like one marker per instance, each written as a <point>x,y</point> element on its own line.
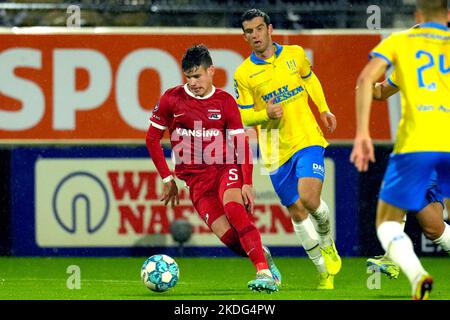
<point>88,200</point>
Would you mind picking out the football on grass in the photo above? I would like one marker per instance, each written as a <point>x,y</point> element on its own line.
<point>160,273</point>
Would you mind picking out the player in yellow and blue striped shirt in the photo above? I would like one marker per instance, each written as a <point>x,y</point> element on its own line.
<point>421,58</point>
<point>272,87</point>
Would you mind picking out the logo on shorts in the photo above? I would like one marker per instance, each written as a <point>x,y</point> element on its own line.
<point>206,217</point>
<point>318,169</point>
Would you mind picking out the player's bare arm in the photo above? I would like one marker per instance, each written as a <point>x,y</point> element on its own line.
<point>363,151</point>
<point>274,110</point>
<point>248,197</point>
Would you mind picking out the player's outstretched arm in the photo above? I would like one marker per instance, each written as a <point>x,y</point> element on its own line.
<point>363,150</point>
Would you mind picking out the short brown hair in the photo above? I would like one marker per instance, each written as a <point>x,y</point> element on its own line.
<point>196,56</point>
<point>432,7</point>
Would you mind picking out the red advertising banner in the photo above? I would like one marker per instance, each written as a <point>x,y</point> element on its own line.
<point>90,87</point>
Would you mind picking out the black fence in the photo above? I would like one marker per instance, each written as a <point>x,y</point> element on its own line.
<point>285,14</point>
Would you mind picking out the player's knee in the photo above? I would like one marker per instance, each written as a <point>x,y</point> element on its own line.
<point>432,233</point>
<point>237,215</point>
<point>310,203</point>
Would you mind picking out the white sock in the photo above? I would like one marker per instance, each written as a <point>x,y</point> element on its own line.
<point>444,239</point>
<point>321,216</point>
<point>403,229</point>
<point>309,238</point>
<point>400,249</point>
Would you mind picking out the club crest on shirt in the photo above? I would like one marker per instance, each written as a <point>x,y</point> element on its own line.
<point>214,116</point>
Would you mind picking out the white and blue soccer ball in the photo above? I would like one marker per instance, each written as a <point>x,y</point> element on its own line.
<point>160,273</point>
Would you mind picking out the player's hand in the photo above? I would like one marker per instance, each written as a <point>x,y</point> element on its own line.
<point>170,194</point>
<point>274,111</point>
<point>328,120</point>
<point>249,198</point>
<point>362,153</point>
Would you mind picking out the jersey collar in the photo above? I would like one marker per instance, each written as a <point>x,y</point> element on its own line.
<point>434,25</point>
<point>196,97</point>
<point>256,60</point>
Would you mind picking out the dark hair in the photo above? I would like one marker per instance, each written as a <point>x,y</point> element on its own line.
<point>254,13</point>
<point>196,56</point>
<point>432,7</point>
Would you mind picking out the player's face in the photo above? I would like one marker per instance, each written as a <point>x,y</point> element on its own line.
<point>258,34</point>
<point>200,80</point>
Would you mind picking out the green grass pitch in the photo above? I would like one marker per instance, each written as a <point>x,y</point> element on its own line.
<point>202,279</point>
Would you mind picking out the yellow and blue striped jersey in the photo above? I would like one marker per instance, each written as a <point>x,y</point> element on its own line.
<point>421,58</point>
<point>282,76</point>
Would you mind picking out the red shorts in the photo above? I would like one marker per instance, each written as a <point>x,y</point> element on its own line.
<point>206,189</point>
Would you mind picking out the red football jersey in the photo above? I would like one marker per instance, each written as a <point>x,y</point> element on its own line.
<point>199,127</point>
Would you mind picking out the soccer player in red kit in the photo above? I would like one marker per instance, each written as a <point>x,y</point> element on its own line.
<point>212,156</point>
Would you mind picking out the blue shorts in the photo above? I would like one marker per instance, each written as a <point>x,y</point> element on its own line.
<point>433,194</point>
<point>305,163</point>
<point>412,177</point>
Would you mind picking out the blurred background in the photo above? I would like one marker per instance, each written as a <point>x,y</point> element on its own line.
<point>285,14</point>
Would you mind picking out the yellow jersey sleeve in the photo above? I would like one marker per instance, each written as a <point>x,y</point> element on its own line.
<point>305,64</point>
<point>246,103</point>
<point>385,50</point>
<point>392,80</point>
<point>242,94</point>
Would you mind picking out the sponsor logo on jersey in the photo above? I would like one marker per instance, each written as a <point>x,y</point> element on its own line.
<point>282,94</point>
<point>198,132</point>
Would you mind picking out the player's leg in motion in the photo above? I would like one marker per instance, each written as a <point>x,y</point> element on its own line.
<point>285,183</point>
<point>431,221</point>
<point>307,234</point>
<point>400,249</point>
<point>309,190</point>
<point>228,235</point>
<point>433,226</point>
<point>384,264</point>
<point>250,239</point>
<point>210,209</point>
<point>223,230</point>
<point>311,173</point>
